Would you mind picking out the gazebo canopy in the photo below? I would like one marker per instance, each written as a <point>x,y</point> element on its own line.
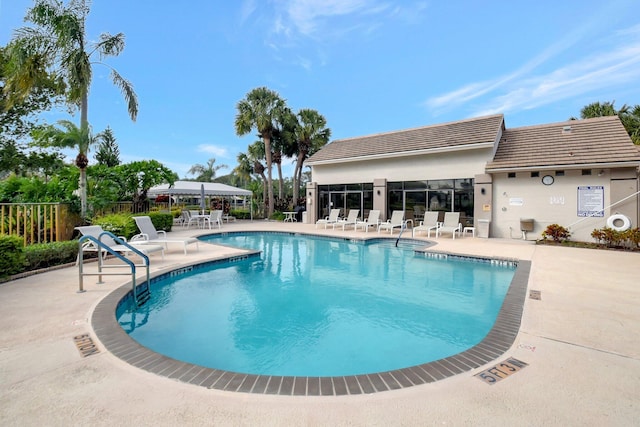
<point>194,188</point>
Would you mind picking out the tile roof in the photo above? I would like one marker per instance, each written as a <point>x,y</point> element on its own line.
<point>601,140</point>
<point>446,136</point>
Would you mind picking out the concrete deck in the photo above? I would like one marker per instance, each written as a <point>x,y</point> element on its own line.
<point>580,342</point>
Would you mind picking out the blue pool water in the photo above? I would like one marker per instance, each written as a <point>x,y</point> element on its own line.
<point>319,307</point>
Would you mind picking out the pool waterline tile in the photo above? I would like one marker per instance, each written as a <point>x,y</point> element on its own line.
<point>495,344</point>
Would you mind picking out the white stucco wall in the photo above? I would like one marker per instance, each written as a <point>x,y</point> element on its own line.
<point>527,197</point>
<point>461,164</point>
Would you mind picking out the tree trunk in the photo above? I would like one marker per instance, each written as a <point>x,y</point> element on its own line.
<point>280,182</point>
<point>267,152</point>
<point>82,184</point>
<point>296,178</point>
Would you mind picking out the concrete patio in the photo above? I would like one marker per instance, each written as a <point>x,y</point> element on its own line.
<point>580,341</point>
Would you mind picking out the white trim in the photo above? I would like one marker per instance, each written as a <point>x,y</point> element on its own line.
<point>403,154</point>
<point>565,166</point>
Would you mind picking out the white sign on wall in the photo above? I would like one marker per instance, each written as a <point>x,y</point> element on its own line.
<point>591,201</point>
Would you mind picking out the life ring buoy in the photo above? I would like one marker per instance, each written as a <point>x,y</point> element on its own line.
<point>613,219</point>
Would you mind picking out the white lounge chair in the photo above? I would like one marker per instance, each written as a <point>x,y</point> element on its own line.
<point>451,224</point>
<point>372,221</point>
<point>149,234</point>
<point>351,219</point>
<point>331,219</point>
<point>429,223</point>
<point>396,221</point>
<point>96,231</point>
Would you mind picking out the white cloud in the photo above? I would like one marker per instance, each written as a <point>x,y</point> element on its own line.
<point>212,149</point>
<point>247,9</point>
<point>613,66</point>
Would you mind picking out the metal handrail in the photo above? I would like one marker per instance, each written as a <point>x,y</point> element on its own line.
<point>402,228</point>
<point>102,247</point>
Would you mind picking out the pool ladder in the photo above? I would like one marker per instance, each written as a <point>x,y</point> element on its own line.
<point>141,293</point>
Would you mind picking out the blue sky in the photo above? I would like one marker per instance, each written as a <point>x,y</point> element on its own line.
<point>368,66</point>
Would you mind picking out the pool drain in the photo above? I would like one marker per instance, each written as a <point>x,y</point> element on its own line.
<point>85,345</point>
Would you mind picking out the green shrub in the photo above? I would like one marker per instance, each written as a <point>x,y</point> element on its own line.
<point>278,216</point>
<point>11,255</point>
<point>556,232</point>
<point>160,220</point>
<point>121,224</point>
<point>240,213</point>
<point>43,255</point>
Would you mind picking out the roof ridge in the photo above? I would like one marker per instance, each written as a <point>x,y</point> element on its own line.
<point>420,127</point>
<point>565,123</point>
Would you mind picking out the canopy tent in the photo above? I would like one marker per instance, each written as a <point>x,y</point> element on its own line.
<point>195,188</point>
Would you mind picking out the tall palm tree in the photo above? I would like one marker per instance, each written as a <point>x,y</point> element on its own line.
<point>243,169</point>
<point>58,43</point>
<point>261,109</point>
<point>206,172</point>
<point>256,153</point>
<point>70,136</point>
<point>311,134</point>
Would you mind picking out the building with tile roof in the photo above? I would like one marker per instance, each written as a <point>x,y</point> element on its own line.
<point>577,173</point>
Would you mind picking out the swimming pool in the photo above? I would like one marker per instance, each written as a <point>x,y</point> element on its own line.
<point>320,307</point>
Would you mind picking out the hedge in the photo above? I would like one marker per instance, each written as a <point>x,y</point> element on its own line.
<point>11,255</point>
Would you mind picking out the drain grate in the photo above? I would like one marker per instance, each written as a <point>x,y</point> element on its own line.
<point>85,345</point>
<point>535,295</point>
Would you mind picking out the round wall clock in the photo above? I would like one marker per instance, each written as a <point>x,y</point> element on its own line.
<point>547,180</point>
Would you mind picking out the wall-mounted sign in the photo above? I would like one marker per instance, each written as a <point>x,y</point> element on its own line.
<point>516,201</point>
<point>486,207</point>
<point>591,201</point>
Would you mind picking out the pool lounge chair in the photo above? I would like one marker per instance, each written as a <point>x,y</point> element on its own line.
<point>149,234</point>
<point>96,231</point>
<point>372,221</point>
<point>331,219</point>
<point>451,224</point>
<point>396,221</point>
<point>351,219</point>
<point>429,223</point>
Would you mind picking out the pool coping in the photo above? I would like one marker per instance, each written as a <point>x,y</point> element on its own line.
<point>496,343</point>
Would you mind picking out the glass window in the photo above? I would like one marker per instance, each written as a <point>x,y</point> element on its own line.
<point>440,184</point>
<point>464,184</point>
<point>415,185</point>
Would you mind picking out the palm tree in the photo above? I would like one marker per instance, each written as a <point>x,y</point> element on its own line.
<point>58,43</point>
<point>244,169</point>
<point>70,136</point>
<point>630,117</point>
<point>311,134</point>
<point>206,172</point>
<point>261,109</point>
<point>255,154</point>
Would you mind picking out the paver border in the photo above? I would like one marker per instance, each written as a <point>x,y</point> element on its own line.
<point>499,339</point>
